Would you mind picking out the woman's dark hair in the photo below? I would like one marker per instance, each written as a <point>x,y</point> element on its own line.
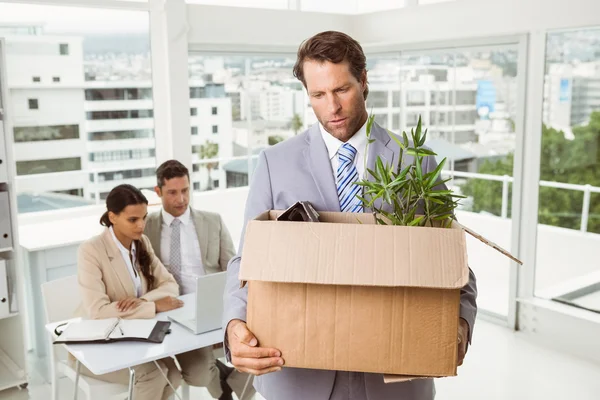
<point>120,197</point>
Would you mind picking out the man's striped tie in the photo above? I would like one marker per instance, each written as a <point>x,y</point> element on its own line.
<point>347,176</point>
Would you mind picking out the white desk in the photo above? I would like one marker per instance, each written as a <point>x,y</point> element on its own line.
<point>110,357</point>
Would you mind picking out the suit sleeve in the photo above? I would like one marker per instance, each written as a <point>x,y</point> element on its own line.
<point>95,301</point>
<point>226,249</point>
<point>468,294</point>
<point>260,199</point>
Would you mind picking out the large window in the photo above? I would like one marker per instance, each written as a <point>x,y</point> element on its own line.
<point>243,104</point>
<point>569,193</point>
<point>127,174</point>
<point>384,97</point>
<point>98,64</point>
<point>120,114</point>
<point>120,135</point>
<point>118,94</point>
<point>468,101</point>
<point>37,133</point>
<point>48,166</point>
<point>121,155</point>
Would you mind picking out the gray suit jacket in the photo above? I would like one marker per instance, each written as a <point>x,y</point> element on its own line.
<point>216,246</point>
<point>300,169</point>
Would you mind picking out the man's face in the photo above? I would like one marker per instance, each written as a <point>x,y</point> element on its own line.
<point>175,195</point>
<point>336,97</point>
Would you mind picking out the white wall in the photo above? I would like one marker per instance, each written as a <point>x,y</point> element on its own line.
<point>112,105</point>
<point>49,182</point>
<point>562,255</point>
<point>55,107</point>
<point>47,150</point>
<point>29,56</point>
<point>230,204</point>
<point>107,186</point>
<point>490,267</point>
<point>472,19</point>
<point>204,121</point>
<point>220,26</point>
<point>123,165</point>
<point>213,27</point>
<point>109,125</point>
<point>122,144</point>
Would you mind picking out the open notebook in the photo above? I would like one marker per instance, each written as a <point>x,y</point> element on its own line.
<point>113,330</point>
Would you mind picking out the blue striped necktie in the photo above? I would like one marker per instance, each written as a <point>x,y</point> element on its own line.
<point>347,176</point>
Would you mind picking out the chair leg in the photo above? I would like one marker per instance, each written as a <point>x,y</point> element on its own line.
<point>131,383</point>
<point>54,381</point>
<point>53,370</point>
<point>185,391</point>
<point>76,386</point>
<point>242,397</point>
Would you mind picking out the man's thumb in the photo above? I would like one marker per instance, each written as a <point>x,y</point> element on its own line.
<point>246,336</point>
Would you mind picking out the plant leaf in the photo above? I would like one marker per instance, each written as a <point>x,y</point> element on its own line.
<point>370,122</point>
<point>373,174</point>
<point>427,152</point>
<point>416,221</point>
<point>423,139</point>
<point>402,146</point>
<point>419,171</point>
<point>435,174</point>
<point>405,138</point>
<point>381,170</point>
<point>417,136</point>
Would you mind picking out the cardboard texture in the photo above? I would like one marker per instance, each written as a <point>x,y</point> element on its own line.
<point>347,294</point>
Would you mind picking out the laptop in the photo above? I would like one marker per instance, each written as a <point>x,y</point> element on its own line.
<point>208,312</point>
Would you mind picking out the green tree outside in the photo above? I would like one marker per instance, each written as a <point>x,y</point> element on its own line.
<point>574,161</point>
<point>296,123</point>
<point>207,151</point>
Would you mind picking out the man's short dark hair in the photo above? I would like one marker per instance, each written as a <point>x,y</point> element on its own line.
<point>169,170</point>
<point>334,47</point>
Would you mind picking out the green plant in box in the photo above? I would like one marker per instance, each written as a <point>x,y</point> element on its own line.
<point>415,198</point>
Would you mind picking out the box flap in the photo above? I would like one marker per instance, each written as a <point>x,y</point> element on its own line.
<point>488,242</point>
<point>350,249</point>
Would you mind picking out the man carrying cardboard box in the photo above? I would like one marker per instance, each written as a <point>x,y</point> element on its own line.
<point>321,166</point>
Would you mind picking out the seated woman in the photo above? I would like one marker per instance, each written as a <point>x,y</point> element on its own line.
<point>119,276</point>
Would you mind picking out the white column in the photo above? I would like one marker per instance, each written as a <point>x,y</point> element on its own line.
<point>169,44</point>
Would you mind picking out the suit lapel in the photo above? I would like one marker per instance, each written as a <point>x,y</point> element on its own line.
<point>201,232</point>
<point>155,233</point>
<point>379,148</point>
<point>319,165</point>
<point>118,264</point>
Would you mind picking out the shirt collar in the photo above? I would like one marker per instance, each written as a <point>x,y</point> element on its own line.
<point>185,218</point>
<point>358,141</point>
<point>120,246</point>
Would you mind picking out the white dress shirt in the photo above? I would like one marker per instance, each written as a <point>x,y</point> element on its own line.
<point>358,141</point>
<point>191,257</point>
<point>135,276</point>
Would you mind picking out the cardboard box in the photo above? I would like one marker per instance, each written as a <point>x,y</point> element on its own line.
<point>347,294</point>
